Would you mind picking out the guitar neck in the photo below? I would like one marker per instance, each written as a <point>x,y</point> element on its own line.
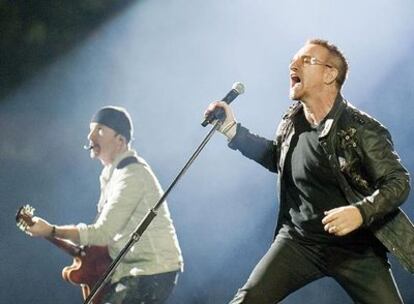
<point>66,246</point>
<point>24,219</point>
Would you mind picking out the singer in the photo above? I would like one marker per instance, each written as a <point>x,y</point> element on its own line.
<point>129,189</point>
<point>340,187</point>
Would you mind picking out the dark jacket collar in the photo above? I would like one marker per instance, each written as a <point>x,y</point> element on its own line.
<point>330,119</point>
<point>333,115</point>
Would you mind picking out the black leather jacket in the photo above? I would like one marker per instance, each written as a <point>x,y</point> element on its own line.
<point>363,160</point>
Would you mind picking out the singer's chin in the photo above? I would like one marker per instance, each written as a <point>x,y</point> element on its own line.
<point>293,95</point>
<point>93,154</point>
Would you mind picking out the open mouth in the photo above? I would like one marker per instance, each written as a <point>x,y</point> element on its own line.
<point>93,146</point>
<point>294,80</point>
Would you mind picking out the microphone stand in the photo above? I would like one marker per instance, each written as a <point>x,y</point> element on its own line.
<point>146,221</point>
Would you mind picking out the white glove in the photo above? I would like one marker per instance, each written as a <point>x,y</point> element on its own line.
<point>228,126</point>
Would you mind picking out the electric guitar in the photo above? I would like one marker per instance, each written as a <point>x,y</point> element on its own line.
<point>89,262</point>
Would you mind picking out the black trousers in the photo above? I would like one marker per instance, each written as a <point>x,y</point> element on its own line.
<point>146,289</point>
<point>288,265</point>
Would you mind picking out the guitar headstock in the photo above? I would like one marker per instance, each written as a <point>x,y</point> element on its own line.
<point>24,217</point>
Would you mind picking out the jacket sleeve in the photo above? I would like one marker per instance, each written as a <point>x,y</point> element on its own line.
<point>257,148</point>
<point>383,166</point>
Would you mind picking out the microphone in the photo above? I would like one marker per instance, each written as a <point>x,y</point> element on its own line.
<point>88,147</point>
<point>236,90</point>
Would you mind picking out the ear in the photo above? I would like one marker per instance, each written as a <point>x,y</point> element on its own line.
<point>121,139</point>
<point>330,75</point>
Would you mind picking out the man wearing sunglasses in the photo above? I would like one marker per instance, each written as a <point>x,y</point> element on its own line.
<point>340,187</point>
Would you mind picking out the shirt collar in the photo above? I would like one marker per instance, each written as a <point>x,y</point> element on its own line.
<point>108,170</point>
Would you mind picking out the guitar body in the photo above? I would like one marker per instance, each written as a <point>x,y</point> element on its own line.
<point>87,268</point>
<point>89,262</point>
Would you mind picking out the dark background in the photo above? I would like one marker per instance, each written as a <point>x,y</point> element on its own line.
<point>165,61</point>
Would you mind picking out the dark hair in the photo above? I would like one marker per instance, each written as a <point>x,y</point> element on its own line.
<point>340,62</point>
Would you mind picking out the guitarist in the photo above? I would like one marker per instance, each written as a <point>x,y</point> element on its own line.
<point>129,189</point>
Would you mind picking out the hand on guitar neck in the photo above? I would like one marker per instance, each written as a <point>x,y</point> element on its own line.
<point>89,262</point>
<point>38,227</point>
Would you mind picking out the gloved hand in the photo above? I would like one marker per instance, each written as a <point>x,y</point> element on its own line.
<point>228,126</point>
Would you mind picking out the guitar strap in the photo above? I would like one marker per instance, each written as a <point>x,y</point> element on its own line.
<point>127,161</point>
